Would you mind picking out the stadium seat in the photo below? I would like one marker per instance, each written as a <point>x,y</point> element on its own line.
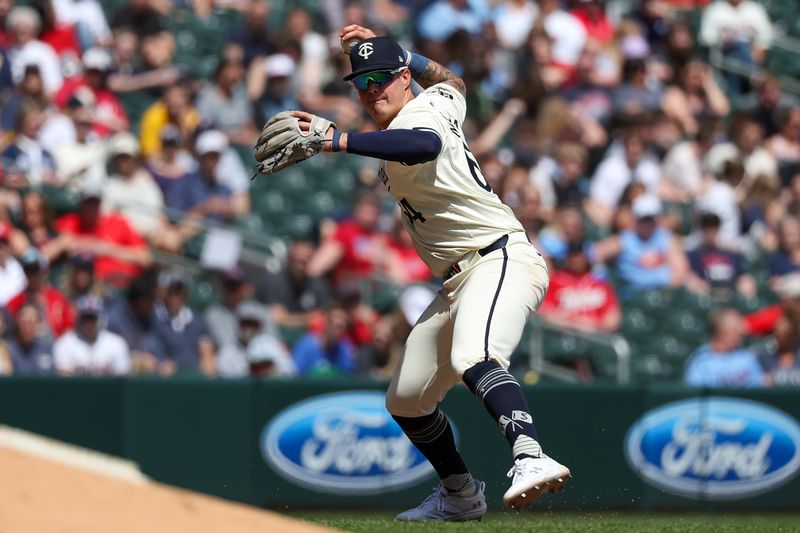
<point>637,324</point>
<point>201,295</point>
<point>291,334</point>
<point>687,326</point>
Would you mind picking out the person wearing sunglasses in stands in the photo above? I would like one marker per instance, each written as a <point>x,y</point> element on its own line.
<point>494,277</point>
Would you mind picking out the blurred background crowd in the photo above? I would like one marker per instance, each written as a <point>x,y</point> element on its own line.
<point>651,149</point>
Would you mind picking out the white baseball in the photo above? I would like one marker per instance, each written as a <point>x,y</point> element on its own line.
<point>348,45</point>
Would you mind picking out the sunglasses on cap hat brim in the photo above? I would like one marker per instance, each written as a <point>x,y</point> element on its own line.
<point>378,77</point>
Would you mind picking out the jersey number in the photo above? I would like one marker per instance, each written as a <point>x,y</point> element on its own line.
<point>410,212</point>
<point>475,170</point>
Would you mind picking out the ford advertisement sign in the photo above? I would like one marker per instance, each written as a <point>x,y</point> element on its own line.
<point>715,448</point>
<point>343,443</point>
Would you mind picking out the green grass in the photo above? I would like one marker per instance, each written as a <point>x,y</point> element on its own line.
<point>562,522</point>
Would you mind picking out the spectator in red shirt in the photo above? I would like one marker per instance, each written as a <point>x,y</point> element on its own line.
<point>361,318</point>
<point>579,299</point>
<point>109,115</point>
<point>763,321</point>
<point>354,250</point>
<point>407,266</point>
<point>6,38</point>
<point>52,304</point>
<point>598,26</point>
<point>62,37</point>
<point>121,253</point>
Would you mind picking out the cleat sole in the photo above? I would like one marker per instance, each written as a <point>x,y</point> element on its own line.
<point>528,496</point>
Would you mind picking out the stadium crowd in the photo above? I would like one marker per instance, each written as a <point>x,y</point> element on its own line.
<point>642,173</point>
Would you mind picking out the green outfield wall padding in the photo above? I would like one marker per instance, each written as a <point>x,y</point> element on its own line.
<point>210,436</point>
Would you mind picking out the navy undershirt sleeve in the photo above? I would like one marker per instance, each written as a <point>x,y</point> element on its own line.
<point>410,146</point>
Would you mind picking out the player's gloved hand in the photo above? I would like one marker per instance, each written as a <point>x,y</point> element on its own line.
<point>288,138</point>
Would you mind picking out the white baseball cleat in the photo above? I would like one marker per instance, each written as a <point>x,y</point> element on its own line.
<point>533,477</point>
<point>444,506</point>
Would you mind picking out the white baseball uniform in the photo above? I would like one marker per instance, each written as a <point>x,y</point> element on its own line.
<point>452,214</point>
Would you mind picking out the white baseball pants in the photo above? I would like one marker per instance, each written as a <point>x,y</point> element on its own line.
<point>478,315</point>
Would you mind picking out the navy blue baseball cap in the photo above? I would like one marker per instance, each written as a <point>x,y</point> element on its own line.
<point>89,304</point>
<point>377,53</point>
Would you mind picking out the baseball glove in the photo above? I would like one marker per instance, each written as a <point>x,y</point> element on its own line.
<point>282,143</point>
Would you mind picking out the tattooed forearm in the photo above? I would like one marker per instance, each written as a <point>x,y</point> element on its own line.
<point>435,73</point>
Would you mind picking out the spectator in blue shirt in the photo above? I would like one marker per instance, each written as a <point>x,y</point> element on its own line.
<point>31,354</point>
<point>131,316</point>
<point>723,362</point>
<point>181,330</point>
<point>201,193</point>
<point>329,352</point>
<point>787,258</point>
<point>445,17</point>
<point>649,256</point>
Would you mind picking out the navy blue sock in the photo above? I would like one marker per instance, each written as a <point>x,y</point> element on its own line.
<point>502,396</point>
<point>433,437</point>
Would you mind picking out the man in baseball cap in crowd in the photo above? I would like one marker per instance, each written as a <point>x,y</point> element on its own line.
<point>255,351</point>
<point>120,251</point>
<point>201,194</point>
<point>80,279</point>
<point>108,115</point>
<point>221,317</point>
<point>58,312</point>
<point>91,349</point>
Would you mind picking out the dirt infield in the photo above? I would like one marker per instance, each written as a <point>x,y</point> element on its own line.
<point>42,496</point>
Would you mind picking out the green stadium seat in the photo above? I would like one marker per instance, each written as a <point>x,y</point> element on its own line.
<point>563,346</point>
<point>273,201</point>
<point>637,324</point>
<point>135,104</point>
<point>650,368</point>
<point>687,325</point>
<point>201,295</point>
<point>319,205</point>
<point>291,334</point>
<point>296,226</point>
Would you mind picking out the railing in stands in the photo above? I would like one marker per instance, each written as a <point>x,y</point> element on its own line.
<point>537,362</point>
<point>735,66</point>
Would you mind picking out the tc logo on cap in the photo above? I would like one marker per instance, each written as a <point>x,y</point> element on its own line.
<point>365,50</point>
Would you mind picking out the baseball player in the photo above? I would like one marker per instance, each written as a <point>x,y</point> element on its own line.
<point>493,277</point>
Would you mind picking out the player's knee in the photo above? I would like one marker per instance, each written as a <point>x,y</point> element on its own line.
<point>461,367</point>
<point>400,404</point>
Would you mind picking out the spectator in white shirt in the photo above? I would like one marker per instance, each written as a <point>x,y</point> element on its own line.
<point>746,145</point>
<point>735,22</point>
<point>91,349</point>
<point>742,30</point>
<point>25,23</point>
<point>568,34</point>
<point>255,351</point>
<point>513,20</point>
<point>683,164</point>
<point>12,277</point>
<point>88,15</point>
<point>82,163</point>
<point>619,169</point>
<point>131,189</point>
<point>720,198</point>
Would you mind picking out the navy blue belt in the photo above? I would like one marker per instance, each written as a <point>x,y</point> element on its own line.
<point>496,245</point>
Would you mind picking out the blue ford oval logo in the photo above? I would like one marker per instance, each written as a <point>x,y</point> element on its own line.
<point>715,448</point>
<point>343,442</point>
